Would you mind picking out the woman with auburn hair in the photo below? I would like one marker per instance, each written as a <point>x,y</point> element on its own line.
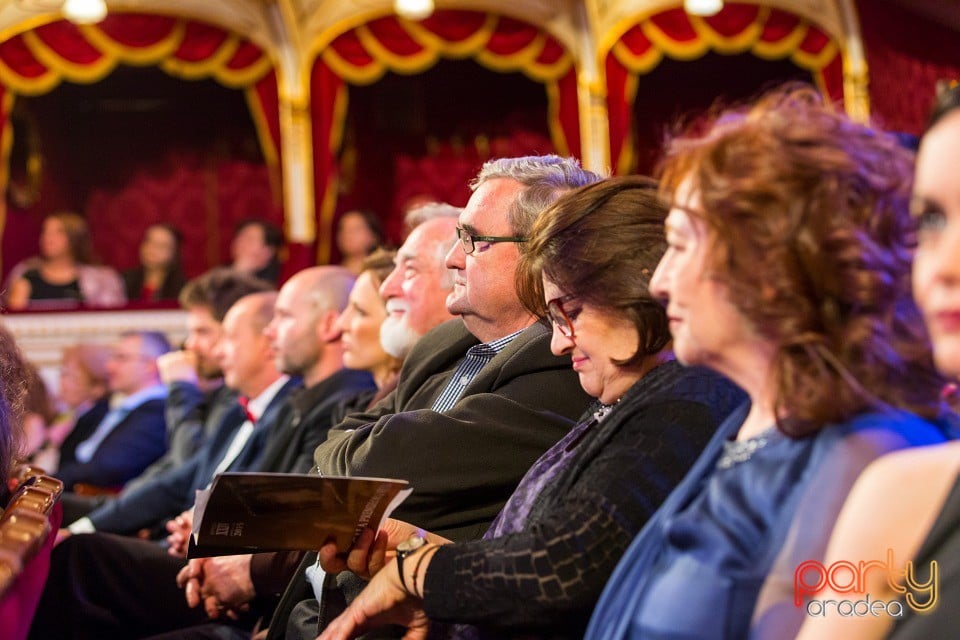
<point>63,275</point>
<point>788,271</point>
<point>909,502</point>
<point>538,570</point>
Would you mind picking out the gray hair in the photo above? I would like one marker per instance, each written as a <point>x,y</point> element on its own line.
<point>418,215</point>
<point>546,177</point>
<point>153,344</point>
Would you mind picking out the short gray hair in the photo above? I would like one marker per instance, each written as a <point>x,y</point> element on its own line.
<point>418,215</point>
<point>546,177</point>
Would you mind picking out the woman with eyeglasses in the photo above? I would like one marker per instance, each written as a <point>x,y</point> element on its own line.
<point>540,567</point>
<point>787,270</point>
<point>909,502</point>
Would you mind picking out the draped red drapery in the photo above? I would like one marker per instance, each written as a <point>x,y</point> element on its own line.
<point>37,61</point>
<point>361,55</point>
<point>738,28</point>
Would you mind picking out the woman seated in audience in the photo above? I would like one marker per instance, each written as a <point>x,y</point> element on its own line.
<point>82,389</point>
<point>159,276</point>
<point>360,327</point>
<point>909,503</point>
<point>63,275</point>
<point>787,270</point>
<point>541,566</point>
<point>358,234</point>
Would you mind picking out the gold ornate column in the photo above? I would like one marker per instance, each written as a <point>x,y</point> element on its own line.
<point>295,133</point>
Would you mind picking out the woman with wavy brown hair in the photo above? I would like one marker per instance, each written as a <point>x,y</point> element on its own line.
<point>788,271</point>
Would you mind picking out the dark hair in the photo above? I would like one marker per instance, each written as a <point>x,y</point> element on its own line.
<point>78,236</point>
<point>947,99</point>
<point>372,220</point>
<point>218,289</point>
<point>601,243</point>
<point>808,226</point>
<point>174,265</point>
<point>272,235</point>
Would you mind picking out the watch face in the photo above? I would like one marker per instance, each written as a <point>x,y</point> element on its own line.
<point>410,544</point>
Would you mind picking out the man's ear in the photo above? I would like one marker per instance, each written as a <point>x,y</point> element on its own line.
<point>327,329</point>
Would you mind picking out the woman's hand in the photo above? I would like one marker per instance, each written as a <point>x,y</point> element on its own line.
<point>370,553</point>
<point>383,601</point>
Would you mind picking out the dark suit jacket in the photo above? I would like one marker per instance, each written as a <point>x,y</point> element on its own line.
<point>138,440</point>
<point>173,491</point>
<point>463,464</point>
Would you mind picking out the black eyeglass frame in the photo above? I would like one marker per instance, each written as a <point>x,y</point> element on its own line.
<point>468,240</point>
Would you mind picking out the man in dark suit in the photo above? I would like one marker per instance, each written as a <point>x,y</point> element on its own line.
<point>130,433</point>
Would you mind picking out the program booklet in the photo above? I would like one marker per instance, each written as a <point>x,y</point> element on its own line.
<point>255,512</point>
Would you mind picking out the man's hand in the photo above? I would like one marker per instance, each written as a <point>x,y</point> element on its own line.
<point>222,585</point>
<point>178,366</point>
<point>179,538</point>
<point>62,534</point>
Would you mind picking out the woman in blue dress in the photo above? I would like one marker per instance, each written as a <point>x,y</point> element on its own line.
<point>788,271</point>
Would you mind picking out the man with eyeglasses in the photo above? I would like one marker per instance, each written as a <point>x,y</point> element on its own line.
<point>480,397</point>
<point>132,433</point>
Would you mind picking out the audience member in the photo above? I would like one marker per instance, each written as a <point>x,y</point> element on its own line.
<point>359,232</point>
<point>787,270</point>
<point>255,249</point>
<point>64,274</point>
<point>572,511</point>
<point>82,384</point>
<point>159,276</point>
<point>360,325</point>
<point>484,384</point>
<point>131,433</point>
<point>906,506</point>
<point>417,289</point>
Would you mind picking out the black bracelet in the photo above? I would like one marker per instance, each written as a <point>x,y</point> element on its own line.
<point>416,572</point>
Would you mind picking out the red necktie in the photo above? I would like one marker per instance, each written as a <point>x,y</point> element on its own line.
<point>245,403</point>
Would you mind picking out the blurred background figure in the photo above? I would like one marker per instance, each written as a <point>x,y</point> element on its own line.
<point>82,389</point>
<point>255,249</point>
<point>116,443</point>
<point>359,232</point>
<point>160,274</point>
<point>64,274</point>
<point>360,326</point>
<point>38,418</point>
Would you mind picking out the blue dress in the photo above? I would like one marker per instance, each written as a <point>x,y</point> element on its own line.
<point>742,520</point>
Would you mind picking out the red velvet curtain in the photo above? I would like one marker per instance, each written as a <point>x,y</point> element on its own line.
<point>363,54</point>
<point>737,28</point>
<point>906,55</point>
